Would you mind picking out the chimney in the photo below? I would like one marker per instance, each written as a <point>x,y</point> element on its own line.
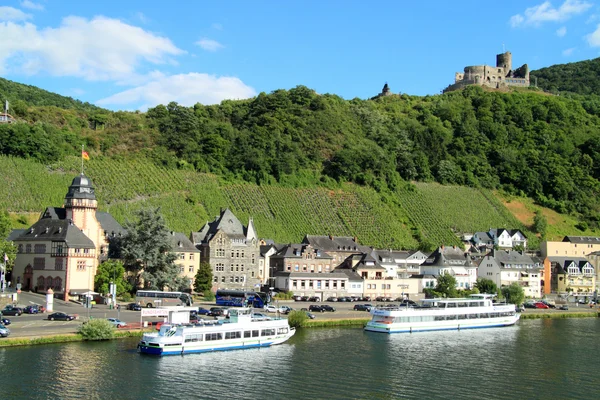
<point>330,237</point>
<point>354,239</point>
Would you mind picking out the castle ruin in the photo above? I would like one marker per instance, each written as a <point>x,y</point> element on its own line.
<point>494,77</point>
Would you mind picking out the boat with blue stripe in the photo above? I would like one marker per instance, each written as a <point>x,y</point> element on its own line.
<point>477,311</point>
<point>242,330</point>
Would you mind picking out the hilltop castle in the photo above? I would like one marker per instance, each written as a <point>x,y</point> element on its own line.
<point>494,77</point>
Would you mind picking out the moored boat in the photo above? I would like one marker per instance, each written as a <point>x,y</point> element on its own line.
<point>477,311</point>
<point>242,330</point>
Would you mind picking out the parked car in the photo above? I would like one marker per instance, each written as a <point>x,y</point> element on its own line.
<point>327,307</point>
<point>563,307</point>
<point>203,311</point>
<point>333,299</point>
<point>316,308</point>
<point>304,298</point>
<point>549,304</point>
<point>310,315</point>
<point>31,309</point>
<point>286,309</point>
<point>529,304</point>
<point>314,298</point>
<point>216,312</point>
<point>408,303</point>
<point>12,310</point>
<point>60,316</point>
<point>4,331</point>
<point>4,321</point>
<point>259,315</point>
<point>362,307</point>
<point>117,322</point>
<point>540,304</point>
<point>272,308</point>
<point>134,307</point>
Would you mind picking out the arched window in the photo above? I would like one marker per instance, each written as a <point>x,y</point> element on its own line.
<point>57,284</point>
<point>40,283</point>
<point>49,282</point>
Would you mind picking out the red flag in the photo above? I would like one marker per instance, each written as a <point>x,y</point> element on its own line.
<point>85,155</point>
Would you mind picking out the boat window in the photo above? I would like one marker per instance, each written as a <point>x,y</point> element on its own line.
<point>233,335</point>
<point>255,334</point>
<point>247,334</point>
<point>193,337</point>
<point>213,336</point>
<point>484,315</point>
<point>473,304</point>
<point>451,305</point>
<point>440,318</point>
<point>462,316</point>
<point>462,304</point>
<point>494,315</point>
<point>450,317</point>
<point>282,331</point>
<point>267,332</point>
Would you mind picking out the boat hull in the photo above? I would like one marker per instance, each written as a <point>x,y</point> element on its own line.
<point>441,325</point>
<point>206,347</point>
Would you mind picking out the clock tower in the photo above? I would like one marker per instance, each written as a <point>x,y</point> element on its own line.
<point>81,206</point>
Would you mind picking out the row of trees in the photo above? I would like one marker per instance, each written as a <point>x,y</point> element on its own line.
<point>447,287</point>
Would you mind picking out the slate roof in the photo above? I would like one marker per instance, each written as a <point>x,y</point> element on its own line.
<point>296,251</point>
<point>180,243</point>
<point>318,275</point>
<point>484,237</point>
<point>422,276</point>
<point>511,257</point>
<point>81,188</point>
<point>109,225</point>
<point>582,239</point>
<point>49,229</point>
<point>15,233</point>
<point>335,243</point>
<point>448,256</point>
<point>562,263</point>
<point>351,274</point>
<point>226,222</point>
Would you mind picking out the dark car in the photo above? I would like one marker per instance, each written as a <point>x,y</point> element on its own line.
<point>32,309</point>
<point>314,298</point>
<point>529,305</point>
<point>11,310</point>
<point>362,307</point>
<point>304,298</point>
<point>333,299</point>
<point>4,321</point>
<point>60,316</point>
<point>203,311</point>
<point>563,307</point>
<point>327,307</point>
<point>550,305</point>
<point>134,307</point>
<point>316,308</point>
<point>216,312</point>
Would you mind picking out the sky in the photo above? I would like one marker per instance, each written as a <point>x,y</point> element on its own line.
<point>132,55</point>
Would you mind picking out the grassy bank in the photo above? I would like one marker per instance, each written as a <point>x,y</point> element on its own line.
<point>335,322</point>
<point>585,314</point>
<point>74,337</point>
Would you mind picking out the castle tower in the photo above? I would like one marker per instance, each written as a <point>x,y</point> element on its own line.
<point>81,206</point>
<point>504,60</point>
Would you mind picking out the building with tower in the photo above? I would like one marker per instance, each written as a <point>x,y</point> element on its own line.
<point>62,250</point>
<point>232,250</point>
<point>500,76</point>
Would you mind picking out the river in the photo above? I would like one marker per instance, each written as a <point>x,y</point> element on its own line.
<point>536,359</point>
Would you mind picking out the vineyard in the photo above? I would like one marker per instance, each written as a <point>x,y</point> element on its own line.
<point>188,199</point>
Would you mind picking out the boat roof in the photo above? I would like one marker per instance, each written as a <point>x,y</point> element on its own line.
<point>455,299</point>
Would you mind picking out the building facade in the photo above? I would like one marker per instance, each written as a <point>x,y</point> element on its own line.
<point>232,250</point>
<point>62,249</point>
<point>454,261</point>
<point>188,256</point>
<point>506,267</point>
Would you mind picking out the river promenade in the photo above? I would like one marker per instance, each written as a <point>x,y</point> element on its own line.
<point>36,326</point>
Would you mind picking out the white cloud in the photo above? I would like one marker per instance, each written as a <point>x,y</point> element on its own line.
<point>31,5</point>
<point>568,52</point>
<point>545,12</point>
<point>561,32</point>
<point>593,38</point>
<point>12,14</point>
<point>209,44</point>
<point>186,89</point>
<point>97,49</point>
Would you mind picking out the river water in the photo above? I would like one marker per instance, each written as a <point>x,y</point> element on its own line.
<point>536,359</point>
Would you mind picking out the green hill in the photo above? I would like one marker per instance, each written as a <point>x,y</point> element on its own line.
<point>582,77</point>
<point>300,162</point>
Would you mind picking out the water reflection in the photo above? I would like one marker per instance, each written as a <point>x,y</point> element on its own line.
<point>535,359</point>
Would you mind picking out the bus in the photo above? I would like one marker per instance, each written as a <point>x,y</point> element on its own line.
<point>158,298</point>
<point>240,298</point>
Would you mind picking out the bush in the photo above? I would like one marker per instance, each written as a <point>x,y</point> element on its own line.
<point>283,296</point>
<point>96,329</point>
<point>209,296</point>
<point>126,296</point>
<point>296,319</point>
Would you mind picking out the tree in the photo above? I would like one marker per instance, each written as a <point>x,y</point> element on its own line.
<point>540,223</point>
<point>446,285</point>
<point>111,271</point>
<point>486,286</point>
<point>513,293</point>
<point>146,252</point>
<point>203,279</point>
<point>6,247</point>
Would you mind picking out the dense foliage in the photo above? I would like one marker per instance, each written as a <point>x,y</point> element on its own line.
<point>6,248</point>
<point>111,271</point>
<point>146,253</point>
<point>203,279</point>
<point>486,286</point>
<point>579,77</point>
<point>96,329</point>
<point>513,293</point>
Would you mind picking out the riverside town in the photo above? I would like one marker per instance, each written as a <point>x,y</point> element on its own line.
<point>299,200</point>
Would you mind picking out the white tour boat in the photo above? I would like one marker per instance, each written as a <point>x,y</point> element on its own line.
<point>477,311</point>
<point>242,330</point>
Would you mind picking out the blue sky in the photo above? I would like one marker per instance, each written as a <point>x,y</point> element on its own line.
<point>136,54</point>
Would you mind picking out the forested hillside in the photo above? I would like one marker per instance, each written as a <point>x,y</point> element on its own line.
<point>522,144</point>
<point>582,77</point>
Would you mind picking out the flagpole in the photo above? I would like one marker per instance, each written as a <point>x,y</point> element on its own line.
<point>81,159</point>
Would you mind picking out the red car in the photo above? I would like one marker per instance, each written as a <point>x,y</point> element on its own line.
<point>539,304</point>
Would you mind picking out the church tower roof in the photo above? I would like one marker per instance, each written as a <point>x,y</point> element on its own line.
<point>81,188</point>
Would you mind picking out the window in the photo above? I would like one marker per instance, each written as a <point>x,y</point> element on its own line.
<point>28,248</point>
<point>39,248</point>
<point>57,284</point>
<point>182,269</point>
<point>216,279</point>
<point>195,337</point>
<point>267,332</point>
<point>220,252</point>
<point>191,256</point>
<point>39,263</point>
<point>222,279</point>
<point>58,264</point>
<point>81,265</point>
<point>233,335</point>
<point>191,268</point>
<point>213,336</point>
<point>181,256</point>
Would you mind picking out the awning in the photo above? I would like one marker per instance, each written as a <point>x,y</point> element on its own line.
<point>82,292</point>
